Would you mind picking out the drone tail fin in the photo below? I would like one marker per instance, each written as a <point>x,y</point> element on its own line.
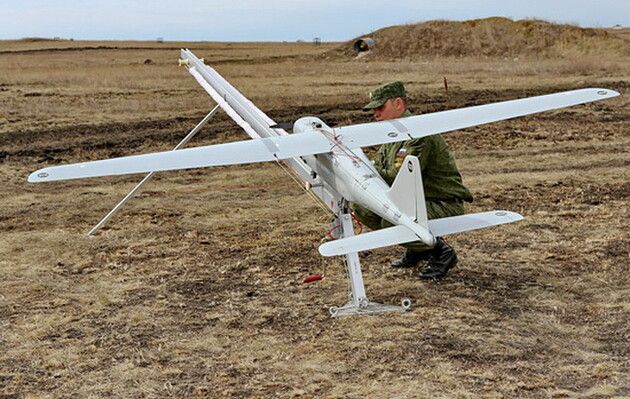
<point>407,191</point>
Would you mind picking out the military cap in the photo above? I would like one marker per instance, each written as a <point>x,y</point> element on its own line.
<point>380,95</point>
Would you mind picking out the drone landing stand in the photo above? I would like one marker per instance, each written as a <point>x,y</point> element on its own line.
<point>359,303</point>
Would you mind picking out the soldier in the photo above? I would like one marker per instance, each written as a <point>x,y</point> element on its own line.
<point>445,193</point>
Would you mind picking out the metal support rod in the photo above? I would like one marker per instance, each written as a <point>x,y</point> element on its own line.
<point>359,303</point>
<point>353,264</point>
<point>148,177</point>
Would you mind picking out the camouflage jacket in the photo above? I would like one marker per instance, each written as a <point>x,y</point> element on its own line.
<point>440,176</point>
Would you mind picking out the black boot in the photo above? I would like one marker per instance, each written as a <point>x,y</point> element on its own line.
<point>410,259</point>
<point>443,257</point>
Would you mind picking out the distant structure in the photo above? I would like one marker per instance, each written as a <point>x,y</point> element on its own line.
<point>160,40</point>
<point>617,27</point>
<point>317,41</point>
<point>364,44</point>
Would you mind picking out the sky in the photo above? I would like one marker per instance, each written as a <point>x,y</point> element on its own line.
<point>279,20</point>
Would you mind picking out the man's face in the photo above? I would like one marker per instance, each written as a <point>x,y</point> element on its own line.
<point>392,109</point>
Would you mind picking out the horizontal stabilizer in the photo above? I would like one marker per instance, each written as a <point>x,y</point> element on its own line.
<point>240,152</point>
<point>472,221</point>
<point>363,242</point>
<point>400,234</point>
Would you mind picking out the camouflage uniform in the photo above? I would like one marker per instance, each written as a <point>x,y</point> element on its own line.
<point>445,193</point>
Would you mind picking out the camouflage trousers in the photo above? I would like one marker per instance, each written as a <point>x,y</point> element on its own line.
<point>435,210</point>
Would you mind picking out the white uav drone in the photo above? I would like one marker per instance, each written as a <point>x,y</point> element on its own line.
<point>329,162</point>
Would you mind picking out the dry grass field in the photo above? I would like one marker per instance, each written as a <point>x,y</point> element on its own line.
<point>195,288</point>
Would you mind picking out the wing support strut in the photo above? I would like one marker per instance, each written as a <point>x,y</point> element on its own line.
<point>148,177</point>
<point>358,304</point>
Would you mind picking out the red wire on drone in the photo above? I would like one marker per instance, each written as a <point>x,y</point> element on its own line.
<point>356,219</point>
<point>331,231</point>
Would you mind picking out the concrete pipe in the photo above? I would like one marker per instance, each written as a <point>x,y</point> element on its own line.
<point>363,44</point>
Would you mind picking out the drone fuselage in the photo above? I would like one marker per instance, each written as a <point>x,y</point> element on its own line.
<point>351,173</point>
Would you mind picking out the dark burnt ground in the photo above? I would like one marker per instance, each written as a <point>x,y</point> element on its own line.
<point>117,139</point>
<point>195,288</point>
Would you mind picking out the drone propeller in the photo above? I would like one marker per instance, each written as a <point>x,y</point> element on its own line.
<point>283,126</point>
<point>289,125</point>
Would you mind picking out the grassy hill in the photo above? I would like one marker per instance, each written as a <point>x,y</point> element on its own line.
<point>489,37</point>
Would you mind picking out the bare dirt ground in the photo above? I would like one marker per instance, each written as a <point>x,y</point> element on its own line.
<point>195,288</point>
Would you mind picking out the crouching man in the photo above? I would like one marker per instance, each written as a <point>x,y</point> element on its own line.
<point>445,193</point>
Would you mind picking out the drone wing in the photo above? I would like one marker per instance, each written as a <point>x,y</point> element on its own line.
<point>412,127</point>
<point>240,152</point>
<point>310,143</point>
